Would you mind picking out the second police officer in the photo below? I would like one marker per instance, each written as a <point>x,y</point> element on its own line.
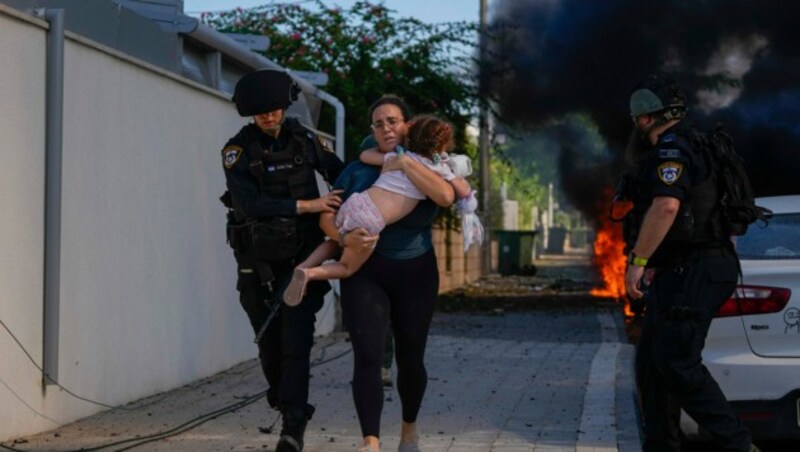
<point>686,264</point>
<point>273,224</point>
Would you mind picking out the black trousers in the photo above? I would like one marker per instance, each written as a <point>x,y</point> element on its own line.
<point>681,302</point>
<point>285,347</point>
<point>403,293</point>
<point>388,350</point>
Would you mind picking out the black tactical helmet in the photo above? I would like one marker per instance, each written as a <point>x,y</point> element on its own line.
<point>264,91</point>
<point>658,93</point>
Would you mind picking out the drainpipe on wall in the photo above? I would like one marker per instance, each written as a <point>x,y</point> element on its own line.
<point>54,121</point>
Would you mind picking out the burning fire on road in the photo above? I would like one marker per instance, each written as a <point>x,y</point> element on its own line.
<point>609,255</point>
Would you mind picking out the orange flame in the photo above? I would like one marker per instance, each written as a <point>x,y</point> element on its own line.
<point>609,258</point>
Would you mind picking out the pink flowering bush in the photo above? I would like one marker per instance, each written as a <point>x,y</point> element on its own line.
<point>368,51</point>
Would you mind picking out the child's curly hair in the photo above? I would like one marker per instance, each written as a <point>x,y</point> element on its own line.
<point>429,134</point>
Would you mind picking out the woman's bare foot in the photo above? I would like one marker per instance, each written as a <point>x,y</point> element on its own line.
<point>294,292</point>
<point>371,444</point>
<point>409,438</point>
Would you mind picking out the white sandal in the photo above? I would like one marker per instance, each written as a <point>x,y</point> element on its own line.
<point>294,292</point>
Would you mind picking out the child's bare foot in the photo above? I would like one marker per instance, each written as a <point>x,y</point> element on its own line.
<point>297,287</point>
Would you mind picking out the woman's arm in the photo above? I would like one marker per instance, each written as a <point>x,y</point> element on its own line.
<point>461,187</point>
<point>429,182</point>
<point>355,238</point>
<point>372,157</point>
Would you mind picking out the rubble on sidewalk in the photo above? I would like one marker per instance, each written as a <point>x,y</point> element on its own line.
<point>556,285</point>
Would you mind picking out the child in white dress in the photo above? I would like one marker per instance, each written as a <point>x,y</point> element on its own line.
<point>390,198</point>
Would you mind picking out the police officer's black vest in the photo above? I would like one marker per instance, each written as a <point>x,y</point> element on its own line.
<point>288,173</point>
<point>698,220</point>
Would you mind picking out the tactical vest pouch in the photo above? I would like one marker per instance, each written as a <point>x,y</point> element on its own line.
<point>233,232</point>
<point>302,185</point>
<point>275,240</point>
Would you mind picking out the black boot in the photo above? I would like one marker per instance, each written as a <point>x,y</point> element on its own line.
<point>294,427</point>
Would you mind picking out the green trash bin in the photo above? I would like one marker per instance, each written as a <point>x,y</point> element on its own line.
<point>555,241</point>
<point>515,252</point>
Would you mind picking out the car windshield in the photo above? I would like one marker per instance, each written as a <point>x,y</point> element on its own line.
<point>780,239</point>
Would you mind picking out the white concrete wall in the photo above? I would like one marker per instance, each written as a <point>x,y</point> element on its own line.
<point>22,94</point>
<point>148,299</point>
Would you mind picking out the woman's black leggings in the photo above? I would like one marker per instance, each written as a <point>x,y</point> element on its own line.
<point>403,292</point>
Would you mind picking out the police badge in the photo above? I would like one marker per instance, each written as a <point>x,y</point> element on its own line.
<point>230,155</point>
<point>670,172</point>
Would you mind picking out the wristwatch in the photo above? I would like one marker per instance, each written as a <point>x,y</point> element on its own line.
<point>633,259</point>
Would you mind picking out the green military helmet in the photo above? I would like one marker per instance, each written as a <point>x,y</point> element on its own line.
<point>658,93</point>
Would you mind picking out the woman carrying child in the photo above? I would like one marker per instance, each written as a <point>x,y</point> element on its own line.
<point>399,281</point>
<point>389,199</point>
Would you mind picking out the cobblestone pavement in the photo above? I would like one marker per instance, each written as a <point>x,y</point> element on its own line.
<point>555,380</point>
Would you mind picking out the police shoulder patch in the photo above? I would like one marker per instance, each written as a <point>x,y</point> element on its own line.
<point>670,172</point>
<point>230,155</point>
<point>669,153</point>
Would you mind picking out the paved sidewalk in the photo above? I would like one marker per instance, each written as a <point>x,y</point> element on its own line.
<point>527,381</point>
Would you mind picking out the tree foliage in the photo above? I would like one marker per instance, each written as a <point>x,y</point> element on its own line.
<point>523,181</point>
<point>368,51</point>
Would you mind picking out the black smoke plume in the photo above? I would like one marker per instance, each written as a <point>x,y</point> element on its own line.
<point>738,60</point>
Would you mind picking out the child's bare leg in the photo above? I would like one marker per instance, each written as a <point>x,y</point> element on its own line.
<point>349,263</point>
<point>321,253</point>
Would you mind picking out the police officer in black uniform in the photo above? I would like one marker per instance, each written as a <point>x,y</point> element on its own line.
<point>682,264</point>
<point>272,225</point>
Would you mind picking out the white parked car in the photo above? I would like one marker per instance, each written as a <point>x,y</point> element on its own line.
<point>753,346</point>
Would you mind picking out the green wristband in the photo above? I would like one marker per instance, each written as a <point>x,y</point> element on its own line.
<point>633,259</point>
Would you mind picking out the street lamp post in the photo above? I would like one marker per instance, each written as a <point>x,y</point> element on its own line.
<point>483,145</point>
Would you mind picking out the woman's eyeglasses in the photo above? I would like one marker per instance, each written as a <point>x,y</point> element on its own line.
<point>390,122</point>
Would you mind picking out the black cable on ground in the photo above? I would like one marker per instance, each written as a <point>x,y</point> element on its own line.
<point>190,424</point>
<point>51,381</point>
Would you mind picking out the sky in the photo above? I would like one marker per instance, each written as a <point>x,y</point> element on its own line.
<point>431,11</point>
